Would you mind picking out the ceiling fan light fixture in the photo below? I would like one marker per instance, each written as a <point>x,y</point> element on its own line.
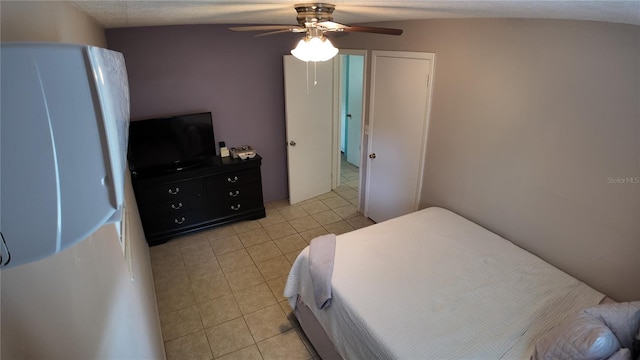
<point>314,49</point>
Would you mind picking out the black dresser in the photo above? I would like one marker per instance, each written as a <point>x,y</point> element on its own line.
<point>216,192</point>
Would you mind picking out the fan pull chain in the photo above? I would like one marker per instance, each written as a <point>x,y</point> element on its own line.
<point>315,73</point>
<point>307,78</point>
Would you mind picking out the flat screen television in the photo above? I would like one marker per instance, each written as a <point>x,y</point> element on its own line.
<point>171,143</point>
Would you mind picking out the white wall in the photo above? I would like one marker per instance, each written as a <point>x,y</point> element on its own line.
<point>82,303</point>
<point>48,21</point>
<point>535,134</point>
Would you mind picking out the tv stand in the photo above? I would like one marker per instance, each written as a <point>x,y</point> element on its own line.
<point>224,190</point>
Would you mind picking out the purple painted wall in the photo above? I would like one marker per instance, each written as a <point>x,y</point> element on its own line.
<point>194,68</point>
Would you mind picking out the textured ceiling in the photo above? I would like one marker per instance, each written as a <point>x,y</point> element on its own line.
<point>119,13</point>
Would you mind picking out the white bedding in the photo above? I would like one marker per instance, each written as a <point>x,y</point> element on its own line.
<point>433,285</point>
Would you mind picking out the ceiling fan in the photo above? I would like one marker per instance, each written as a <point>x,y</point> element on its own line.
<point>315,19</point>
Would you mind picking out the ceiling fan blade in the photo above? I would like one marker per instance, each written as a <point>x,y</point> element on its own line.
<point>331,26</point>
<point>375,30</point>
<point>294,28</point>
<point>334,26</point>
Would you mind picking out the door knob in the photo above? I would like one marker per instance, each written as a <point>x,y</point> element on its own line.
<point>292,143</point>
<point>372,156</point>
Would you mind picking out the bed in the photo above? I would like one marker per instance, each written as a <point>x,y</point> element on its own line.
<point>433,285</point>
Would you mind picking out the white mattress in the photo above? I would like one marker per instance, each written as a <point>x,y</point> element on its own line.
<point>433,285</point>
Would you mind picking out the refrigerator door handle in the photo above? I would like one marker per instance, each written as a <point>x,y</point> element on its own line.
<point>5,255</point>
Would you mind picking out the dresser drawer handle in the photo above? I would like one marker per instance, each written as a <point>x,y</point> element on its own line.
<point>174,192</point>
<point>235,178</point>
<point>234,194</point>
<point>174,207</point>
<point>235,208</point>
<point>179,221</point>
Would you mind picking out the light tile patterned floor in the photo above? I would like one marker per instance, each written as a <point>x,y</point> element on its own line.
<point>349,181</point>
<point>219,291</point>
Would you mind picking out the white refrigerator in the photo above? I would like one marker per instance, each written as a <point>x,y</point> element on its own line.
<point>64,119</point>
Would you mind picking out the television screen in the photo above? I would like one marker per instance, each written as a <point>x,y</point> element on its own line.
<point>171,142</point>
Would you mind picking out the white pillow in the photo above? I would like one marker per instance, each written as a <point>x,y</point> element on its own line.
<point>581,337</point>
<point>597,333</point>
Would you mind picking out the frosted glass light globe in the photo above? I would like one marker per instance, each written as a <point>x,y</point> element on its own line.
<point>314,49</point>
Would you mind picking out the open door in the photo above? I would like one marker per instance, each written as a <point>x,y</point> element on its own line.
<point>309,121</point>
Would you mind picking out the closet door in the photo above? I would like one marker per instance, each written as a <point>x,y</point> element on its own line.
<point>399,110</point>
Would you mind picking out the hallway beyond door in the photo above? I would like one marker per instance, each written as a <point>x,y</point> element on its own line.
<point>349,181</point>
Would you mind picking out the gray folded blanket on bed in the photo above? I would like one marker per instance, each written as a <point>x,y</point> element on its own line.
<point>321,255</point>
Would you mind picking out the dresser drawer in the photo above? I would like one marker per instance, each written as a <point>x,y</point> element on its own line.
<point>234,178</point>
<point>235,207</point>
<point>177,221</point>
<point>239,198</point>
<point>239,192</point>
<point>174,206</point>
<point>170,191</point>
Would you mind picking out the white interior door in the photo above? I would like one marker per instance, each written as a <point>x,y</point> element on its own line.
<point>399,109</point>
<point>309,109</point>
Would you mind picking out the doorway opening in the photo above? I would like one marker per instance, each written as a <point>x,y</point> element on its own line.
<point>350,100</point>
